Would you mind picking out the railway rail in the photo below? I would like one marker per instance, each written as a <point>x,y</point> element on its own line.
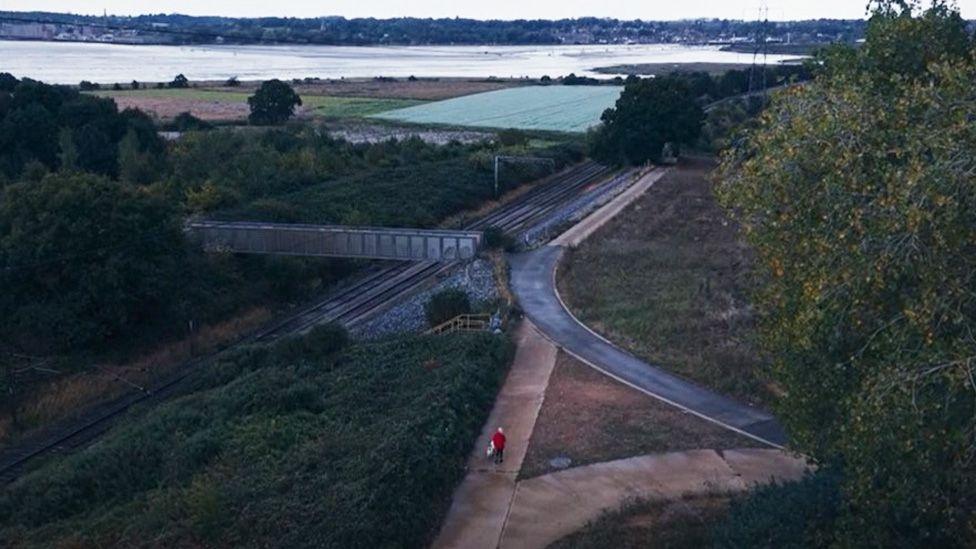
<point>375,291</point>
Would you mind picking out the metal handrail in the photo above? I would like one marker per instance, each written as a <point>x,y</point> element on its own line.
<point>463,323</point>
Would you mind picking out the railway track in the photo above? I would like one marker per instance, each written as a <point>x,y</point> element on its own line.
<point>375,291</point>
<point>379,290</point>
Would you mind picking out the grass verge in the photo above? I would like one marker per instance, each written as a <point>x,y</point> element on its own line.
<point>588,417</point>
<point>292,446</point>
<point>668,279</point>
<point>679,524</point>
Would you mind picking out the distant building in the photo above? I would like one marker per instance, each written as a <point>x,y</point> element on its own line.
<point>28,31</point>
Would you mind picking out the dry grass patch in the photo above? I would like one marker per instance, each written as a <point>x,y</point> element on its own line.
<point>668,279</point>
<point>427,89</point>
<point>589,417</point>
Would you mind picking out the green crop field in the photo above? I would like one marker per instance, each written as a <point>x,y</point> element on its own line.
<point>553,108</point>
<point>319,105</point>
<point>353,107</point>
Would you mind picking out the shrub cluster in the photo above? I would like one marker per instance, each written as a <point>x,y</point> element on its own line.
<point>445,305</point>
<point>360,448</point>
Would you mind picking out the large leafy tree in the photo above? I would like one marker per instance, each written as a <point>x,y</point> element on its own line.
<point>648,114</point>
<point>84,259</point>
<point>273,103</point>
<point>858,193</point>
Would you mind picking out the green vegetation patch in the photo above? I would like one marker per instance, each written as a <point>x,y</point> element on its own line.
<point>286,447</point>
<point>320,105</point>
<point>552,108</point>
<point>353,107</point>
<point>409,195</point>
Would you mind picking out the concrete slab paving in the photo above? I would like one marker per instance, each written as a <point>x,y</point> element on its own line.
<point>761,465</point>
<point>552,506</point>
<point>480,505</point>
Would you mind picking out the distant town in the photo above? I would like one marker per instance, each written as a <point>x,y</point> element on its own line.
<point>182,29</point>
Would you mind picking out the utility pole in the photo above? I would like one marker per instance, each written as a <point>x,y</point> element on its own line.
<point>761,46</point>
<point>500,158</point>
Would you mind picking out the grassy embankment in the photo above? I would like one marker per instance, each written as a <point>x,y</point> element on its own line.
<point>668,279</point>
<point>295,446</point>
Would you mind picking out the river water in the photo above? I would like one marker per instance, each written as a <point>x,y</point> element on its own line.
<point>71,62</point>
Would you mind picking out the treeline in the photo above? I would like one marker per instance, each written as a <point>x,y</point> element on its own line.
<point>669,111</point>
<point>416,31</point>
<point>43,128</point>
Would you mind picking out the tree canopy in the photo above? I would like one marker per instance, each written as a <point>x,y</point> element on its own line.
<point>649,113</point>
<point>273,103</point>
<point>83,259</point>
<point>859,195</point>
<point>48,124</point>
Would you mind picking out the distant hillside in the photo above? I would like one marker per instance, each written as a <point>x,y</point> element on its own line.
<point>183,29</point>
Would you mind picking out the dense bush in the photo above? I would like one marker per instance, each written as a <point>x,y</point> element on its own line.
<point>725,122</point>
<point>186,122</point>
<point>357,449</point>
<point>322,340</point>
<point>179,81</point>
<point>407,183</point>
<point>85,259</point>
<point>445,305</point>
<point>87,263</point>
<point>61,128</point>
<point>793,515</point>
<point>513,137</point>
<point>289,174</point>
<point>497,239</point>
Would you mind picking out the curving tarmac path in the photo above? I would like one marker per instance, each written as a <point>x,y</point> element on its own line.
<point>533,281</point>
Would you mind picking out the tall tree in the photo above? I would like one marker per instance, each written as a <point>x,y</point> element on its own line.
<point>648,114</point>
<point>273,103</point>
<point>858,193</point>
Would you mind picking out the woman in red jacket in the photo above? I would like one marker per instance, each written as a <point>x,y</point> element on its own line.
<point>498,444</point>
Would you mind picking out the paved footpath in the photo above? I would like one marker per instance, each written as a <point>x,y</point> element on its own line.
<point>490,509</point>
<point>480,505</point>
<point>553,506</point>
<point>533,277</point>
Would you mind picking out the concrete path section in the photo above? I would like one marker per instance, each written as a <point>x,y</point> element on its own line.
<point>480,505</point>
<point>552,506</point>
<point>533,281</point>
<point>582,230</point>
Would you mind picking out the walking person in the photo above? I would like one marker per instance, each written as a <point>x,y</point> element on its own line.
<point>498,445</point>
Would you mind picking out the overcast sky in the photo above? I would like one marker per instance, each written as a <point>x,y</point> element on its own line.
<point>479,9</point>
